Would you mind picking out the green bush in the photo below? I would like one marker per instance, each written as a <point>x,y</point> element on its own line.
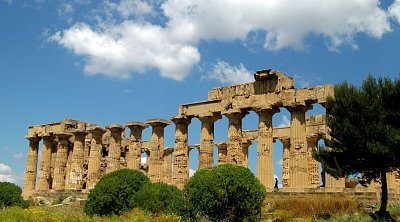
<point>225,193</point>
<point>10,195</point>
<point>157,198</point>
<point>112,193</point>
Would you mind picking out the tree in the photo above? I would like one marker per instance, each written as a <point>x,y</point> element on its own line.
<point>112,193</point>
<point>10,195</point>
<point>157,198</point>
<point>225,193</point>
<point>364,128</point>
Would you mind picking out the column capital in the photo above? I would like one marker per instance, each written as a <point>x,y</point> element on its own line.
<point>63,135</point>
<point>97,132</point>
<point>33,138</point>
<point>300,108</point>
<point>158,122</point>
<point>264,111</point>
<point>135,125</point>
<point>211,117</point>
<point>221,145</point>
<point>313,139</point>
<point>115,127</point>
<point>79,132</point>
<point>183,120</point>
<point>234,113</point>
<point>285,141</point>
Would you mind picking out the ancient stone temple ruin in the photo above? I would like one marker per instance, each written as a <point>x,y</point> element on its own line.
<point>74,155</point>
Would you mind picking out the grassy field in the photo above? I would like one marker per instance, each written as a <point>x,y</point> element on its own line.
<point>314,208</point>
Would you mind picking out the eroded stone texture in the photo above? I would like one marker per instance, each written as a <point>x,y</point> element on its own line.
<point>44,177</point>
<point>31,166</point>
<point>167,166</point>
<point>95,157</point>
<point>114,153</point>
<point>245,150</point>
<point>61,161</point>
<point>222,152</point>
<point>135,144</point>
<point>157,149</point>
<point>313,169</point>
<point>265,165</point>
<point>76,172</point>
<point>181,151</point>
<point>285,161</point>
<point>206,151</point>
<point>234,149</point>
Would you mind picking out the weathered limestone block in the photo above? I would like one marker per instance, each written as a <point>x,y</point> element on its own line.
<point>222,152</point>
<point>75,174</point>
<point>31,166</point>
<point>61,161</point>
<point>245,150</point>
<point>298,148</point>
<point>114,153</point>
<point>234,149</point>
<point>69,160</point>
<point>135,144</point>
<point>157,149</point>
<point>44,177</point>
<point>181,151</point>
<point>94,167</point>
<point>167,165</point>
<point>206,151</point>
<point>313,169</point>
<point>285,161</point>
<point>331,182</point>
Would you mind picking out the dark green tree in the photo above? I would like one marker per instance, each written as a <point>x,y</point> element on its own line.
<point>10,195</point>
<point>112,193</point>
<point>158,197</point>
<point>364,136</point>
<point>225,193</point>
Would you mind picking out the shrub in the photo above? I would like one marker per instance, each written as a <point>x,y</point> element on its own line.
<point>10,195</point>
<point>112,193</point>
<point>158,197</point>
<point>225,193</point>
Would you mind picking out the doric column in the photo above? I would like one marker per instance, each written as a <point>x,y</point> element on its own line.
<point>285,161</point>
<point>157,149</point>
<point>95,157</point>
<point>61,161</point>
<point>167,166</point>
<point>206,159</point>
<point>235,154</point>
<point>298,148</point>
<point>75,174</point>
<point>265,164</point>
<point>222,152</point>
<point>245,150</point>
<point>332,182</point>
<point>134,144</point>
<point>114,152</point>
<point>313,169</point>
<point>31,166</point>
<point>44,175</point>
<point>181,152</point>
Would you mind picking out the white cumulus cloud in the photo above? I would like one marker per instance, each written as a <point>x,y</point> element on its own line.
<point>284,122</point>
<point>394,10</point>
<point>191,172</point>
<point>135,43</point>
<point>226,73</point>
<point>18,155</point>
<point>6,173</point>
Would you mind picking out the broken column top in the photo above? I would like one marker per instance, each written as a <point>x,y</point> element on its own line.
<point>158,122</point>
<point>136,123</point>
<point>114,126</point>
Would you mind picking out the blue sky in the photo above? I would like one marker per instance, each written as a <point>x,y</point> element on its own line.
<point>130,60</point>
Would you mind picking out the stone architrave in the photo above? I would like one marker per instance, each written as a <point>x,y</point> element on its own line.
<point>167,166</point>
<point>31,167</point>
<point>265,165</point>
<point>222,152</point>
<point>313,168</point>
<point>298,172</point>
<point>245,150</point>
<point>95,157</point>
<point>75,174</point>
<point>206,151</point>
<point>114,153</point>
<point>155,172</point>
<point>181,152</point>
<point>61,161</point>
<point>44,175</point>
<point>134,153</point>
<point>285,161</point>
<point>234,149</point>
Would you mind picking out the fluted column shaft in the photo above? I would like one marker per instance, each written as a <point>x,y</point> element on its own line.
<point>222,153</point>
<point>134,153</point>
<point>155,172</point>
<point>206,151</point>
<point>245,150</point>
<point>167,166</point>
<point>285,162</point>
<point>61,162</point>
<point>95,158</point>
<point>265,165</point>
<point>234,145</point>
<point>31,166</point>
<point>298,148</point>
<point>114,153</point>
<point>44,175</point>
<point>181,152</point>
<point>313,169</point>
<point>75,174</point>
